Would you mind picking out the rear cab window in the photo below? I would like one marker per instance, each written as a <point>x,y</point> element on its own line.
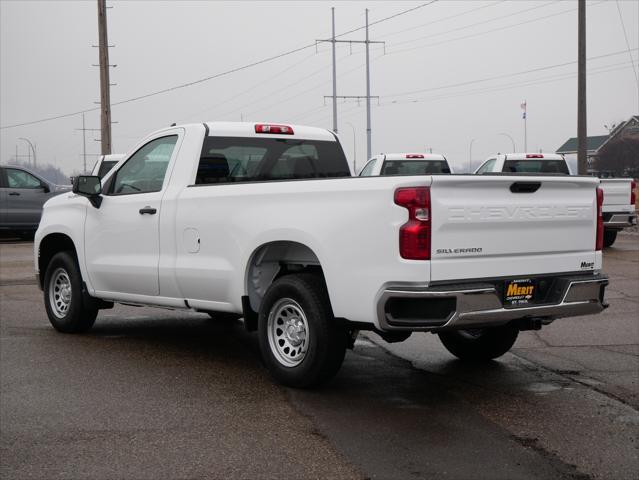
<point>487,167</point>
<point>368,168</point>
<point>241,159</point>
<point>536,166</point>
<point>414,167</point>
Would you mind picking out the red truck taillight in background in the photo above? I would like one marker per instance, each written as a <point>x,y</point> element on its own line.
<point>414,235</point>
<point>600,227</point>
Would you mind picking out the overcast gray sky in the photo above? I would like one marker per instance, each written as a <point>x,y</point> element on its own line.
<point>430,79</point>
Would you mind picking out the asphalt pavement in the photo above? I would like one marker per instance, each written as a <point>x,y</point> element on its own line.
<point>152,393</point>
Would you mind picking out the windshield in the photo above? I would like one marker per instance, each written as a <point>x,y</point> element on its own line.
<point>536,166</point>
<point>414,167</point>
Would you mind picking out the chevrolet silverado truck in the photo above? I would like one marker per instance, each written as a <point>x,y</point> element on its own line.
<point>405,164</point>
<point>265,222</point>
<point>619,193</point>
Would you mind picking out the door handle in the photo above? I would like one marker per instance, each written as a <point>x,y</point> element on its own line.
<point>149,210</point>
<point>14,194</point>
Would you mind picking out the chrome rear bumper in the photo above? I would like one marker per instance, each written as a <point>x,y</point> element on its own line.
<point>480,305</point>
<point>620,220</point>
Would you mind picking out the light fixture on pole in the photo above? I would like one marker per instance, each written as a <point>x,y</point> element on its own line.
<point>470,156</point>
<point>511,139</point>
<point>32,148</point>
<point>354,148</point>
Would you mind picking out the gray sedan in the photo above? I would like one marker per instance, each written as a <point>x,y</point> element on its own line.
<point>22,195</point>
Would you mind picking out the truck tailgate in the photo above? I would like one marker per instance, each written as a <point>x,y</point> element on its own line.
<point>616,192</point>
<point>504,226</point>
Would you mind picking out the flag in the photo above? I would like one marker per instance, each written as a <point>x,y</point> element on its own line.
<point>523,107</point>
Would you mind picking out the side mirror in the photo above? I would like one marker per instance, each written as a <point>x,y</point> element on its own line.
<point>90,187</point>
<point>45,187</point>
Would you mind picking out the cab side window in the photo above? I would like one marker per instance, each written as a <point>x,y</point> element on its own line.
<point>366,171</point>
<point>487,166</point>
<point>21,179</point>
<point>144,172</point>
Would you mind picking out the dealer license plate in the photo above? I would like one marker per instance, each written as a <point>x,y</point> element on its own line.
<point>519,292</point>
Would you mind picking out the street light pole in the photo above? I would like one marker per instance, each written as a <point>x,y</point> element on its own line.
<point>511,139</point>
<point>32,148</point>
<point>354,148</point>
<point>470,156</point>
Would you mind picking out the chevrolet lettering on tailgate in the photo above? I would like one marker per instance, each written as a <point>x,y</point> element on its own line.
<point>506,213</point>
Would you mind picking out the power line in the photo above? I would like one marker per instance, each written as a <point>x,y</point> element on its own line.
<point>500,30</point>
<point>483,90</point>
<point>634,69</point>
<point>508,86</point>
<point>254,86</point>
<point>214,76</point>
<point>497,77</point>
<point>494,19</point>
<point>439,20</point>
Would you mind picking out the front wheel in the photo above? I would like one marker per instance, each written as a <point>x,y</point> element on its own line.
<point>481,344</point>
<point>609,237</point>
<point>300,340</point>
<point>63,296</point>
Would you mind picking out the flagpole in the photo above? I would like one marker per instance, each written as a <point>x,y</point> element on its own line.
<point>524,105</point>
<point>525,133</point>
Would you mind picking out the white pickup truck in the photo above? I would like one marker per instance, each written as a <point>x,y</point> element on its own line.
<point>619,193</point>
<point>264,222</point>
<point>405,164</point>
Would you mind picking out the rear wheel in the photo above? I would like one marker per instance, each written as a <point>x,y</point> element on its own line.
<point>301,343</point>
<point>481,344</point>
<point>609,237</point>
<point>63,295</point>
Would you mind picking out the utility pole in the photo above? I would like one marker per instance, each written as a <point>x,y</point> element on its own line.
<point>105,94</point>
<point>354,148</point>
<point>84,141</point>
<point>582,131</point>
<point>368,83</point>
<point>334,74</point>
<point>368,94</point>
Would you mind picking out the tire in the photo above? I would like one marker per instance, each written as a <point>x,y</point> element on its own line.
<point>310,351</point>
<point>63,299</point>
<point>609,237</point>
<point>480,345</point>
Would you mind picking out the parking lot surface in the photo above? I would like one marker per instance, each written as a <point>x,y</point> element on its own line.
<point>151,393</point>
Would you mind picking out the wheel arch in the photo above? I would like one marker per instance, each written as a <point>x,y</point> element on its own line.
<point>49,246</point>
<point>274,259</point>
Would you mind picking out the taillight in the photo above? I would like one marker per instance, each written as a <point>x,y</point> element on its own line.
<point>534,155</point>
<point>414,235</point>
<point>414,155</point>
<point>600,226</point>
<point>279,129</point>
<point>633,192</point>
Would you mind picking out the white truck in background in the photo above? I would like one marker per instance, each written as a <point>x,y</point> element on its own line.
<point>105,163</point>
<point>264,222</point>
<point>619,193</point>
<point>406,164</point>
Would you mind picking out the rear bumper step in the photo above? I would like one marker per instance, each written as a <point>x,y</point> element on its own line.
<point>620,220</point>
<point>480,305</point>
